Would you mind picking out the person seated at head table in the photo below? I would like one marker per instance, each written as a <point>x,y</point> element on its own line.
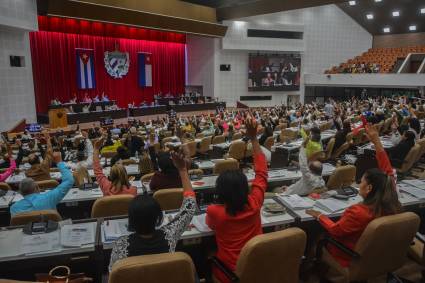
<point>34,200</point>
<point>74,99</point>
<point>86,108</point>
<point>40,170</point>
<point>96,99</point>
<point>311,178</point>
<point>117,183</point>
<point>168,176</point>
<point>104,97</point>
<point>378,190</point>
<point>145,218</point>
<point>314,143</point>
<point>87,98</point>
<point>7,158</point>
<point>238,218</point>
<point>55,101</point>
<point>122,154</point>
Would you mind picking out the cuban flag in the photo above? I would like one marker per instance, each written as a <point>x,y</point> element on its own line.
<point>85,69</point>
<point>145,69</point>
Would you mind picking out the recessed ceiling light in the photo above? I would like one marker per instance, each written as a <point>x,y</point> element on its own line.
<point>369,16</point>
<point>378,0</point>
<point>412,28</point>
<point>423,11</point>
<point>387,29</point>
<point>396,13</point>
<point>352,3</point>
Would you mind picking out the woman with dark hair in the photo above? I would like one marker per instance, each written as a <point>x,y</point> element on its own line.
<point>415,127</point>
<point>122,154</point>
<point>377,188</point>
<point>238,219</point>
<point>399,152</point>
<point>145,215</point>
<point>168,176</point>
<point>341,135</point>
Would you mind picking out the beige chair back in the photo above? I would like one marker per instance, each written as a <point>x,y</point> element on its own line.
<point>237,136</point>
<point>47,184</point>
<point>218,139</point>
<point>224,165</point>
<point>343,176</point>
<point>169,199</point>
<point>191,146</point>
<point>168,267</point>
<point>5,186</point>
<point>383,245</point>
<point>237,150</point>
<point>34,216</point>
<point>111,206</point>
<point>272,257</point>
<point>204,145</point>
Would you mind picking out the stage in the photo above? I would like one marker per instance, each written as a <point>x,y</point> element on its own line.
<point>150,112</point>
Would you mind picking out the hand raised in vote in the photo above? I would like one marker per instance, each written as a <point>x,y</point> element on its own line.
<point>251,128</point>
<point>179,160</point>
<point>99,142</point>
<point>372,133</point>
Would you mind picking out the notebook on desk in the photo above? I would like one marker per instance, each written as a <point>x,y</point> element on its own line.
<point>295,202</point>
<point>331,205</point>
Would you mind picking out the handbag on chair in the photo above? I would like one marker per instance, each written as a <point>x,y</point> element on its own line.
<point>54,276</point>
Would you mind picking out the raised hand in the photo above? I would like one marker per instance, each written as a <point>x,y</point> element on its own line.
<point>99,142</point>
<point>251,128</point>
<point>179,160</point>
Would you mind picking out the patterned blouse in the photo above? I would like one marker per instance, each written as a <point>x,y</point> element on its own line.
<point>163,240</point>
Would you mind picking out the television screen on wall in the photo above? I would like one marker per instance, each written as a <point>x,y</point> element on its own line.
<point>274,72</point>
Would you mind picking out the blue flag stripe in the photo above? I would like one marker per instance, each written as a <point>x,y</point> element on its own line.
<point>142,71</point>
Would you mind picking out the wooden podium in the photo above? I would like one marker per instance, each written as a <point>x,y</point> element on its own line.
<point>58,118</point>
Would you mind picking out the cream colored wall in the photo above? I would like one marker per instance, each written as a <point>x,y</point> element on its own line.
<point>173,8</point>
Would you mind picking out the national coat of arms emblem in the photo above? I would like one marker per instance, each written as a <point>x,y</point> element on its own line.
<point>117,63</point>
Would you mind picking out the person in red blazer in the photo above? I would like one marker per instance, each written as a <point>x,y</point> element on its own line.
<point>238,219</point>
<point>377,188</point>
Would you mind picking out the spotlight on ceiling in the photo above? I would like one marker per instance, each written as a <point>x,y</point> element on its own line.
<point>412,28</point>
<point>378,0</point>
<point>423,11</point>
<point>369,16</point>
<point>396,13</point>
<point>387,30</point>
<point>352,3</point>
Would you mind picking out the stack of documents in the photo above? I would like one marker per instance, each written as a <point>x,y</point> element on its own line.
<point>295,202</point>
<point>132,169</point>
<point>113,229</point>
<point>39,243</point>
<point>414,191</point>
<point>331,205</point>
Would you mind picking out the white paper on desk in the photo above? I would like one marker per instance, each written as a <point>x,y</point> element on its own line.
<point>40,243</point>
<point>199,221</point>
<point>113,229</point>
<point>331,205</point>
<point>10,242</point>
<point>414,191</point>
<point>137,184</point>
<point>96,192</point>
<point>416,183</point>
<point>295,201</point>
<point>132,169</point>
<point>77,235</point>
<point>56,175</point>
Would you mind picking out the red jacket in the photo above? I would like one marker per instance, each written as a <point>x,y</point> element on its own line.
<point>232,232</point>
<point>348,229</point>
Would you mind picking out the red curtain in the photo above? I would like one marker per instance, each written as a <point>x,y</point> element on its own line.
<point>54,70</point>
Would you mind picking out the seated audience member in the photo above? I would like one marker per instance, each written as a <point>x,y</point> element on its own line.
<point>145,216</point>
<point>104,97</point>
<point>311,171</point>
<point>34,200</point>
<point>399,152</point>
<point>314,143</point>
<point>40,170</point>
<point>168,176</point>
<point>87,98</point>
<point>268,132</point>
<point>377,188</point>
<point>122,154</point>
<point>238,219</point>
<point>117,183</point>
<point>82,176</point>
<point>12,165</point>
<point>341,135</point>
<point>415,127</point>
<point>133,142</point>
<point>96,98</point>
